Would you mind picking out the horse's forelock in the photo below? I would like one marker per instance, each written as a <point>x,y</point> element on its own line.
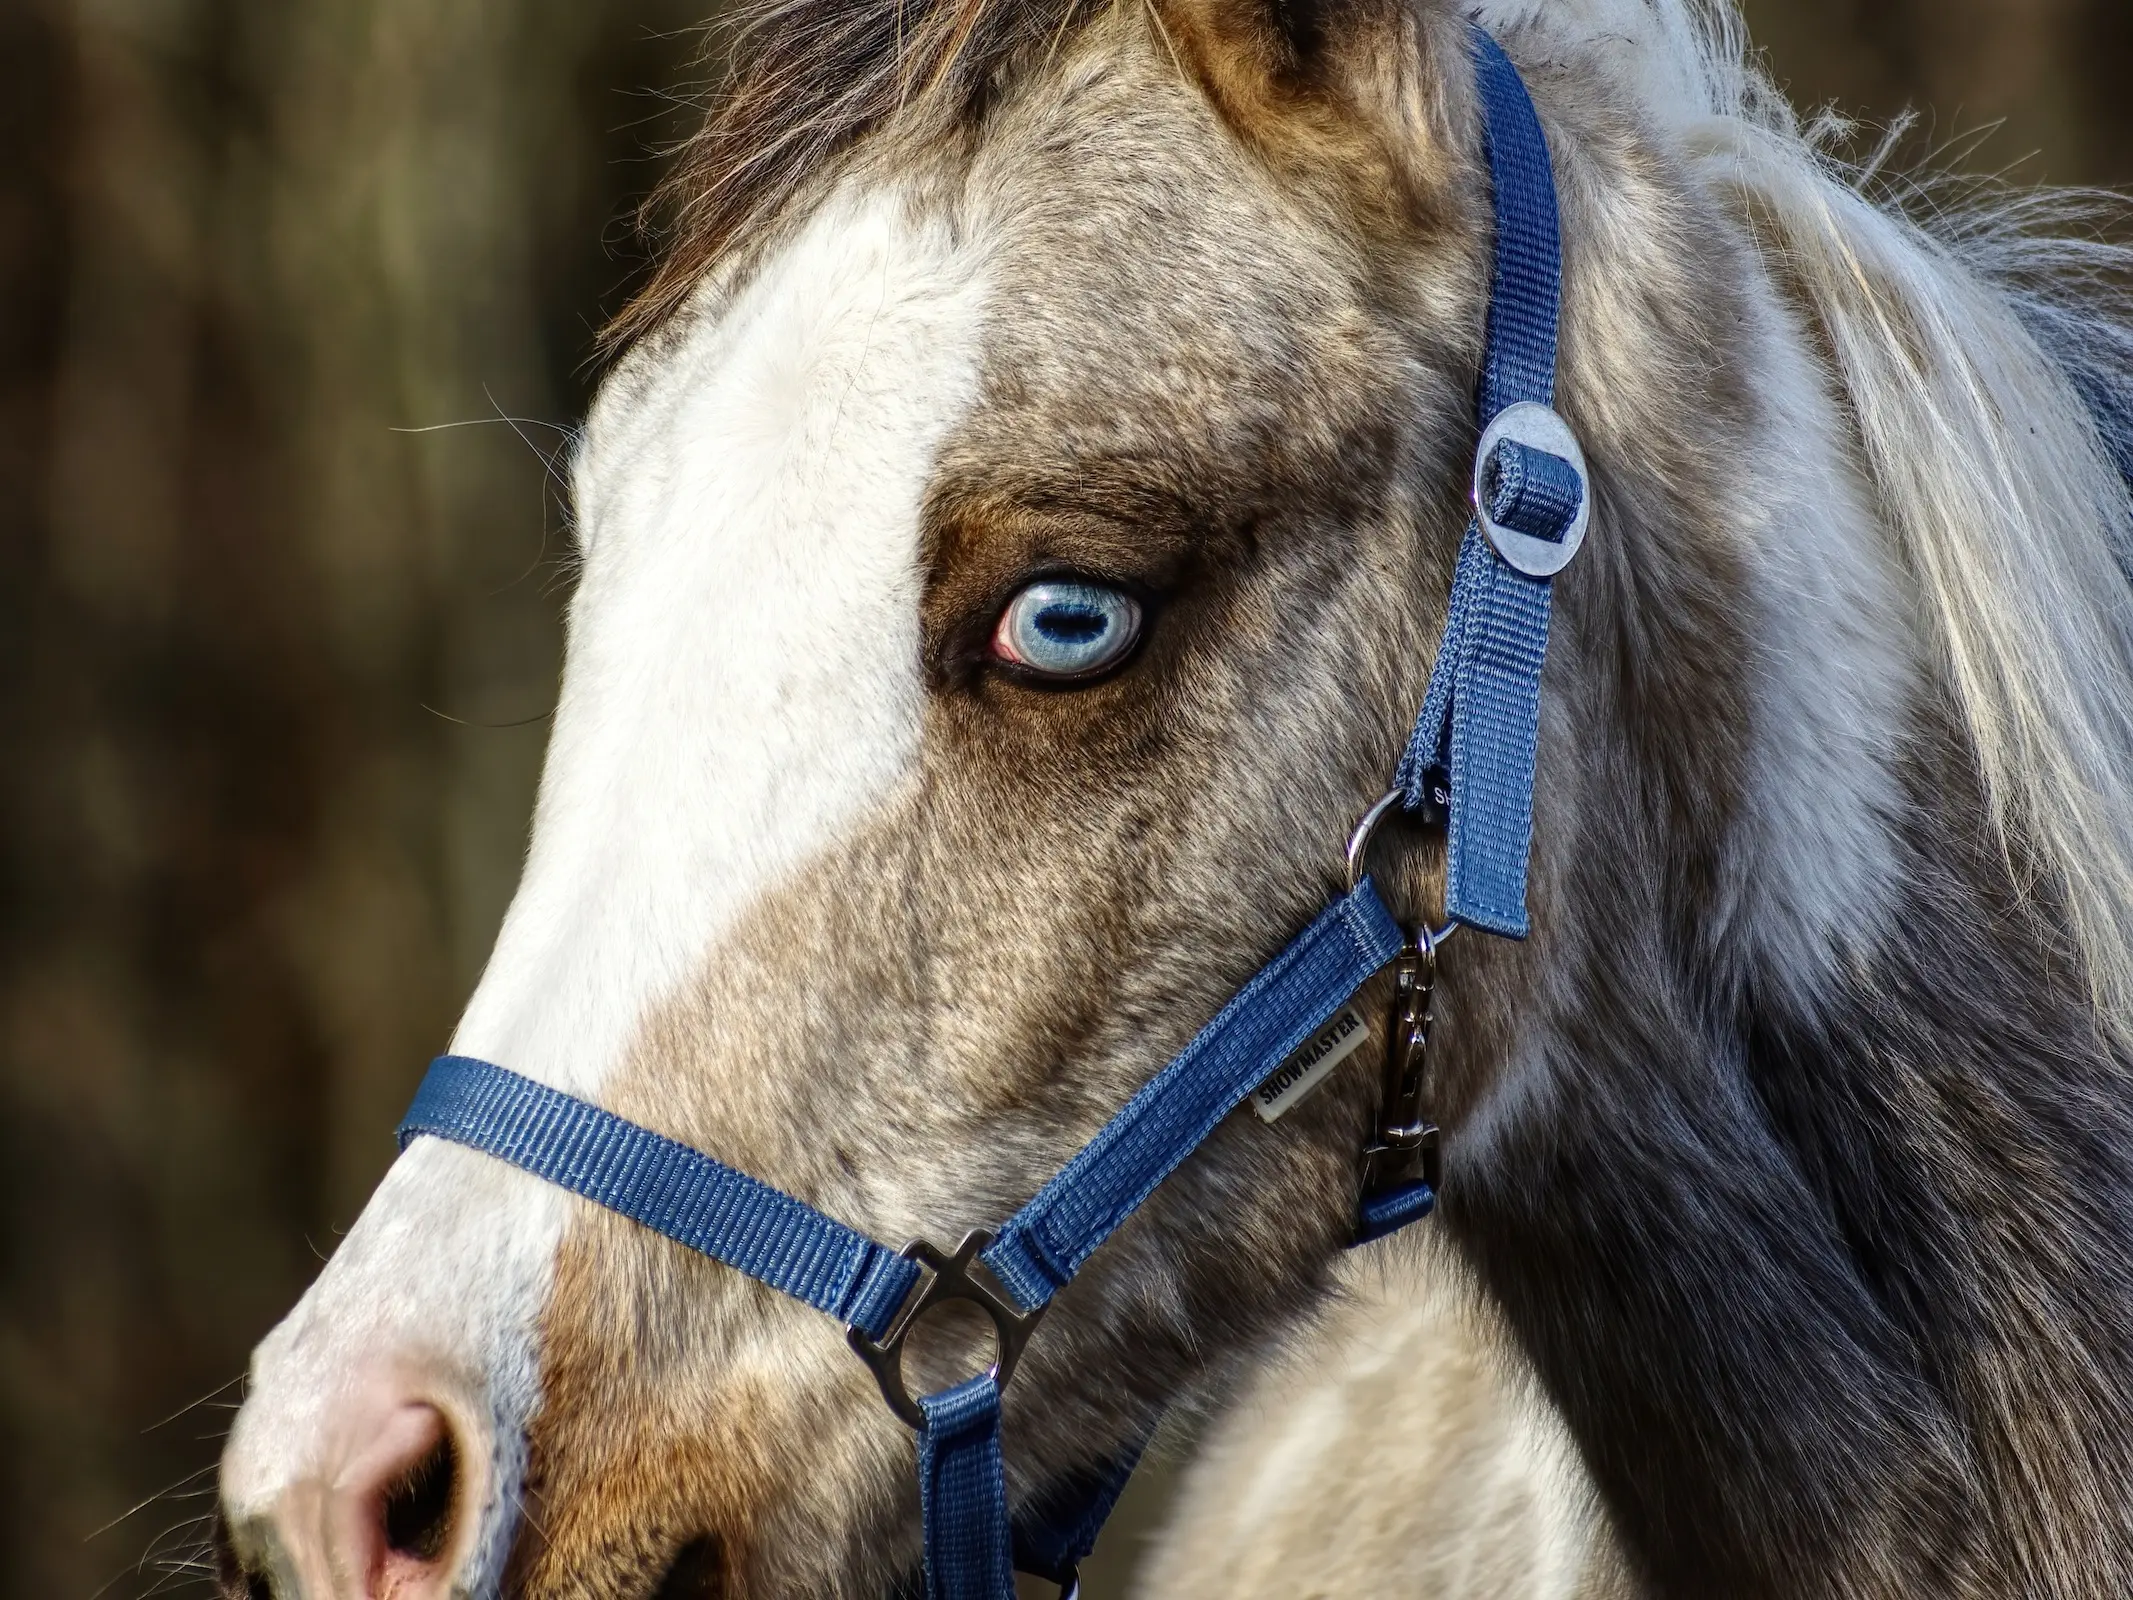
<point>802,81</point>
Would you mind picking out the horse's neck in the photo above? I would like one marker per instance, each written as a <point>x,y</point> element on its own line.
<point>1841,1303</point>
<point>1835,1288</point>
<point>1814,1204</point>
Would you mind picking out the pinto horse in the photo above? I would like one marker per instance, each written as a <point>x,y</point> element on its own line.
<point>1790,1158</point>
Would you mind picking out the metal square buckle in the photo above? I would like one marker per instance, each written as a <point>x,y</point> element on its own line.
<point>948,1277</point>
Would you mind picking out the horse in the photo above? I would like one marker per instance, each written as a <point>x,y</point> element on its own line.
<point>1786,1161</point>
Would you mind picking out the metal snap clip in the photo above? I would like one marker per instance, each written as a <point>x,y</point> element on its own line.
<point>1538,428</point>
<point>948,1277</point>
<point>1407,1138</point>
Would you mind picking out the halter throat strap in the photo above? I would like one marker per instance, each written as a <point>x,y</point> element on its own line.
<point>1471,759</point>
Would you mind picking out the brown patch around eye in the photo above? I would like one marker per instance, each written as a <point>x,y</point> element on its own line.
<point>984,551</point>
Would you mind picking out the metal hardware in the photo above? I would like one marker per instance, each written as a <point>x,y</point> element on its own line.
<point>1538,427</point>
<point>1406,1137</point>
<point>1071,1588</point>
<point>948,1277</point>
<point>1359,843</point>
<point>1366,831</point>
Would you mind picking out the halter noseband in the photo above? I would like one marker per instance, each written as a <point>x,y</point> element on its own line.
<point>1470,761</point>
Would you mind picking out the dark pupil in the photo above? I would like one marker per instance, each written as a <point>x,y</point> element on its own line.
<point>1071,624</point>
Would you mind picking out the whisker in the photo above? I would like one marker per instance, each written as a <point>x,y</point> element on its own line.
<point>161,1494</point>
<point>522,722</point>
<point>194,1405</point>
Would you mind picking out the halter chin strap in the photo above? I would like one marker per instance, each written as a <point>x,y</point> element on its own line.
<point>1472,755</point>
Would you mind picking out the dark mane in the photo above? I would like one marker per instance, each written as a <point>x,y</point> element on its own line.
<point>802,82</point>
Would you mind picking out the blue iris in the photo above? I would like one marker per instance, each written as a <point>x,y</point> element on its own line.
<point>1066,629</point>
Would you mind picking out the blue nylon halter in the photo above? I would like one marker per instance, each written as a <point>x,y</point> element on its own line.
<point>727,1215</point>
<point>1474,744</point>
<point>1472,753</point>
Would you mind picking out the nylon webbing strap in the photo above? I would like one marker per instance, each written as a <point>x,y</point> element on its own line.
<point>723,1213</point>
<point>1535,492</point>
<point>1382,1215</point>
<point>962,1494</point>
<point>1061,1531</point>
<point>1525,300</point>
<point>1480,721</point>
<point>665,1185</point>
<point>1042,1246</point>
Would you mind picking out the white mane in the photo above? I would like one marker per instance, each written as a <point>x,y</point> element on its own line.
<point>1985,350</point>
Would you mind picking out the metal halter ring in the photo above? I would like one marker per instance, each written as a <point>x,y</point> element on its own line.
<point>948,1277</point>
<point>1359,844</point>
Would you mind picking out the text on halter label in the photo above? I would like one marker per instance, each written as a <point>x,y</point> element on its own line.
<point>1292,1082</point>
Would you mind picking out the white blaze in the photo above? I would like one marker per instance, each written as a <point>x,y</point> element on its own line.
<point>743,685</point>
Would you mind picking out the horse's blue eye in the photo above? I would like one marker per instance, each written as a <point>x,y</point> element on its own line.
<point>1065,629</point>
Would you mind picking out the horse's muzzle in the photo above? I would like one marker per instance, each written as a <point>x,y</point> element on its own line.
<point>379,1510</point>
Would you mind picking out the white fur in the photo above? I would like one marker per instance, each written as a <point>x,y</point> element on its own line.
<point>1836,666</point>
<point>743,687</point>
<point>1386,1453</point>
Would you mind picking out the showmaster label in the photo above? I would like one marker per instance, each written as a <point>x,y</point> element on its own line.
<point>1304,1071</point>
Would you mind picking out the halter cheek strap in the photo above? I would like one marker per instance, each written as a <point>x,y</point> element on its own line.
<point>1473,749</point>
<point>1471,758</point>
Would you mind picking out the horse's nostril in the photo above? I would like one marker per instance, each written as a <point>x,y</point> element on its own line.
<point>697,1573</point>
<point>231,1579</point>
<point>418,1508</point>
<point>376,1506</point>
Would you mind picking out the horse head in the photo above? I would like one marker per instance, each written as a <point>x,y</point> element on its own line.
<point>1014,542</point>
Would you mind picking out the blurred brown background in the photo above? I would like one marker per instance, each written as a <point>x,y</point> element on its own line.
<point>279,599</point>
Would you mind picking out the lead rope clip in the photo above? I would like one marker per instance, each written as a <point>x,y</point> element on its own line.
<point>1407,1145</point>
<point>1402,1165</point>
